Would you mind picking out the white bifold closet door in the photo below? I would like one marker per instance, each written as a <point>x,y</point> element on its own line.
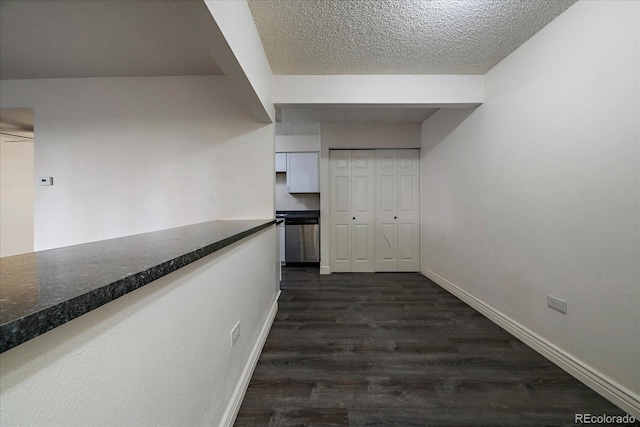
<point>374,212</point>
<point>352,210</point>
<point>397,210</point>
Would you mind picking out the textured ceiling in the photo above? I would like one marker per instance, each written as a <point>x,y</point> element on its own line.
<point>104,38</point>
<point>396,36</point>
<point>110,38</point>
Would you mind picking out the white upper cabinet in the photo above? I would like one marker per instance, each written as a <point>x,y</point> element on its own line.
<point>302,172</point>
<point>281,162</point>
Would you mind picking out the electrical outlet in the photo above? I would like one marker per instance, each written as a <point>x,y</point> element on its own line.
<point>557,304</point>
<point>235,334</point>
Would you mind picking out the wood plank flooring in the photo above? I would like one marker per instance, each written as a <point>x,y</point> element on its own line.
<point>396,349</point>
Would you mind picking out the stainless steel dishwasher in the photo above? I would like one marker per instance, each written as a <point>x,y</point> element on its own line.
<point>302,240</point>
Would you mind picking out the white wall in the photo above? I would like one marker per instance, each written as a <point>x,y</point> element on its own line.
<point>370,135</point>
<point>286,201</point>
<point>536,192</point>
<point>240,54</point>
<point>356,136</point>
<point>16,197</point>
<point>374,90</point>
<point>131,155</point>
<point>160,355</point>
<point>297,143</point>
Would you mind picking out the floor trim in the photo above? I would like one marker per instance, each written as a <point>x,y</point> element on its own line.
<point>233,407</point>
<point>325,269</point>
<point>619,395</point>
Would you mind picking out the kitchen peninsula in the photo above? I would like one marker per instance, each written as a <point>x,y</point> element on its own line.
<point>42,290</point>
<point>93,331</point>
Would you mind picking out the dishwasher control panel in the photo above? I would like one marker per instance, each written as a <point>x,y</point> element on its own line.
<point>300,221</point>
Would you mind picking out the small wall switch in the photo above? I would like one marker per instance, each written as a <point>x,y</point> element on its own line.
<point>46,180</point>
<point>235,334</point>
<point>557,304</point>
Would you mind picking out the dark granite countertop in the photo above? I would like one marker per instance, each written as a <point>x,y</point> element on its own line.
<point>43,290</point>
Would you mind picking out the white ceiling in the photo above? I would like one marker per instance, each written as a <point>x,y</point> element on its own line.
<point>316,37</point>
<point>98,38</point>
<point>113,38</point>
<point>396,36</point>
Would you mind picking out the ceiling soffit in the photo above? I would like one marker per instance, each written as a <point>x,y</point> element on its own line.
<point>306,120</point>
<point>98,38</point>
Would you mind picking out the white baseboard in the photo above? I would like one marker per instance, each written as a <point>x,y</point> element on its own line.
<point>233,407</point>
<point>624,398</point>
<point>325,269</point>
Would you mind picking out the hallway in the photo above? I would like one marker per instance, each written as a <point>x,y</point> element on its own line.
<point>396,349</point>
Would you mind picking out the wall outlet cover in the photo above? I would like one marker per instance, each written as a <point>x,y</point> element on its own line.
<point>557,304</point>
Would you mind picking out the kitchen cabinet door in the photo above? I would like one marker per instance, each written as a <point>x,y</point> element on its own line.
<point>281,162</point>
<point>302,172</point>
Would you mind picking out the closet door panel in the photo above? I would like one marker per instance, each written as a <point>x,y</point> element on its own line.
<point>343,243</point>
<point>407,234</point>
<point>386,210</point>
<point>342,195</point>
<point>340,211</point>
<point>408,210</point>
<point>363,210</point>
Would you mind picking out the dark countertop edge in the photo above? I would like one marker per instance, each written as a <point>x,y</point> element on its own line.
<point>299,214</point>
<point>28,327</point>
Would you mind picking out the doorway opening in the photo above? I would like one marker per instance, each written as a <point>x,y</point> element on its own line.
<point>16,181</point>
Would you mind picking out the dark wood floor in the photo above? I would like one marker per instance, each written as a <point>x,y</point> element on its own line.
<point>396,349</point>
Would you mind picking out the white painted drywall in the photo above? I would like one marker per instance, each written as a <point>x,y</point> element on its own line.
<point>16,197</point>
<point>131,155</point>
<point>247,65</point>
<point>356,136</point>
<point>297,143</point>
<point>536,192</point>
<point>371,135</point>
<point>286,201</point>
<point>399,90</point>
<point>160,355</point>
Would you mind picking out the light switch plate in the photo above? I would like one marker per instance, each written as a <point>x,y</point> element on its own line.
<point>235,334</point>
